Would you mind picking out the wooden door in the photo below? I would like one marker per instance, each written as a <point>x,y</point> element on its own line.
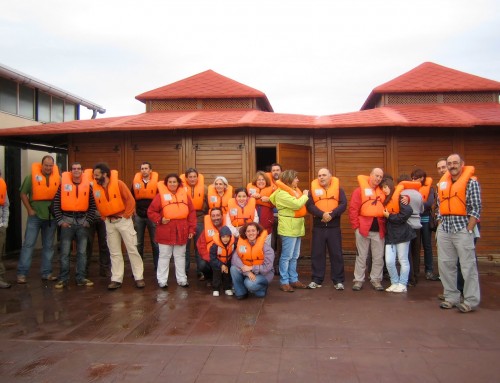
<point>348,163</point>
<point>298,158</point>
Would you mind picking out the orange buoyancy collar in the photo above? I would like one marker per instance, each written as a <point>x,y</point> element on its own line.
<point>3,191</point>
<point>241,215</point>
<point>41,191</point>
<point>145,190</point>
<point>452,195</point>
<point>372,200</point>
<point>224,252</point>
<point>326,199</point>
<point>297,193</point>
<point>215,200</point>
<point>197,193</point>
<point>74,197</point>
<point>113,204</point>
<point>264,192</point>
<point>174,205</point>
<point>252,255</point>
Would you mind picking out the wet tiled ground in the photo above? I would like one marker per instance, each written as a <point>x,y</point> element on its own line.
<point>185,335</point>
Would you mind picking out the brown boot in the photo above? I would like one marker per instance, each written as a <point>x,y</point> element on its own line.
<point>287,288</point>
<point>298,285</point>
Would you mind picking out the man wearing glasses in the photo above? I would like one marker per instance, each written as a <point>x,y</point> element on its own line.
<point>74,211</point>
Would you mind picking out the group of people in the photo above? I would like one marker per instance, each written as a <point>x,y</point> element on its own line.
<point>232,229</point>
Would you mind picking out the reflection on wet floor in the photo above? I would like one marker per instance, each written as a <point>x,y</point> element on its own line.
<point>91,334</point>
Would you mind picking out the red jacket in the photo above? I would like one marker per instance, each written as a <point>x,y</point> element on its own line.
<point>174,232</point>
<point>361,222</point>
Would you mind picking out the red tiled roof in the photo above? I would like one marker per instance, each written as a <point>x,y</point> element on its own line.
<point>432,78</point>
<point>208,84</point>
<point>420,116</point>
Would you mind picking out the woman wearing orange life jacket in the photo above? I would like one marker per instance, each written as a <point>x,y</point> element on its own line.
<point>175,217</point>
<point>252,263</point>
<point>398,236</point>
<point>290,202</point>
<point>261,189</point>
<point>240,210</point>
<point>219,194</point>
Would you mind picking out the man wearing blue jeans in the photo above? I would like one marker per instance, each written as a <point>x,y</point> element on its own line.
<point>74,212</point>
<point>37,191</point>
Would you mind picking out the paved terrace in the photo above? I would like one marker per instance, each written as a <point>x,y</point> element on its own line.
<point>186,335</point>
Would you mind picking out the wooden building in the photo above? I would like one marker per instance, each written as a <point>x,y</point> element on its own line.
<point>223,127</point>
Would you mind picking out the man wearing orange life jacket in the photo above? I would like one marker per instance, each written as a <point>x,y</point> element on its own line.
<point>144,189</point>
<point>116,205</point>
<point>74,212</point>
<point>211,226</point>
<point>327,203</point>
<point>366,214</point>
<point>194,184</point>
<point>37,191</point>
<point>459,203</point>
<point>4,223</point>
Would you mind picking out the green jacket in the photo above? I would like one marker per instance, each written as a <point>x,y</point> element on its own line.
<point>288,225</point>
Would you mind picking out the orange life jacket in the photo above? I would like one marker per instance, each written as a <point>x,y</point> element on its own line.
<point>145,191</point>
<point>297,193</point>
<point>197,193</point>
<point>425,189</point>
<point>3,191</point>
<point>210,231</point>
<point>273,183</point>
<point>89,173</point>
<point>252,255</point>
<point>174,205</point>
<point>452,194</point>
<point>224,252</point>
<point>415,185</point>
<point>241,215</point>
<point>326,199</point>
<point>40,190</point>
<point>393,205</point>
<point>371,200</point>
<point>115,203</point>
<point>74,197</point>
<point>214,200</point>
<point>264,192</point>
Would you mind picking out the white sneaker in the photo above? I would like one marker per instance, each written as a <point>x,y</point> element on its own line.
<point>392,287</point>
<point>400,288</point>
<point>313,285</point>
<point>339,286</point>
<point>215,293</point>
<point>229,292</point>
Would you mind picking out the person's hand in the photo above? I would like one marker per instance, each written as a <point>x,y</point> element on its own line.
<point>65,225</point>
<point>306,193</point>
<point>326,217</point>
<point>386,213</point>
<point>251,276</point>
<point>164,220</point>
<point>190,235</point>
<point>405,200</point>
<point>224,269</point>
<point>246,268</point>
<point>264,198</point>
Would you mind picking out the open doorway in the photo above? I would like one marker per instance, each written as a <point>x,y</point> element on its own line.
<point>264,158</point>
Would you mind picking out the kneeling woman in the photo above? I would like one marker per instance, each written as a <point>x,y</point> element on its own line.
<point>398,236</point>
<point>175,218</point>
<point>252,264</point>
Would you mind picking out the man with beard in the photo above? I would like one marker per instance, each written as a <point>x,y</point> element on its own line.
<point>212,225</point>
<point>116,205</point>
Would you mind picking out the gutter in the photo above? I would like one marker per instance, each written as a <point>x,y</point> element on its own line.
<point>24,79</point>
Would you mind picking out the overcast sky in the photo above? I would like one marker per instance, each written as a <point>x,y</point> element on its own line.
<point>309,57</point>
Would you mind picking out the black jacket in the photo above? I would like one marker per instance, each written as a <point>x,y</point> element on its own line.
<point>398,229</point>
<point>335,214</point>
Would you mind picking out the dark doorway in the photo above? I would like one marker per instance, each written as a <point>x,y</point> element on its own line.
<point>264,158</point>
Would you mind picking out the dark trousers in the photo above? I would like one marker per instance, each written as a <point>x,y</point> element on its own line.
<point>414,257</point>
<point>99,227</point>
<point>327,238</point>
<point>219,278</point>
